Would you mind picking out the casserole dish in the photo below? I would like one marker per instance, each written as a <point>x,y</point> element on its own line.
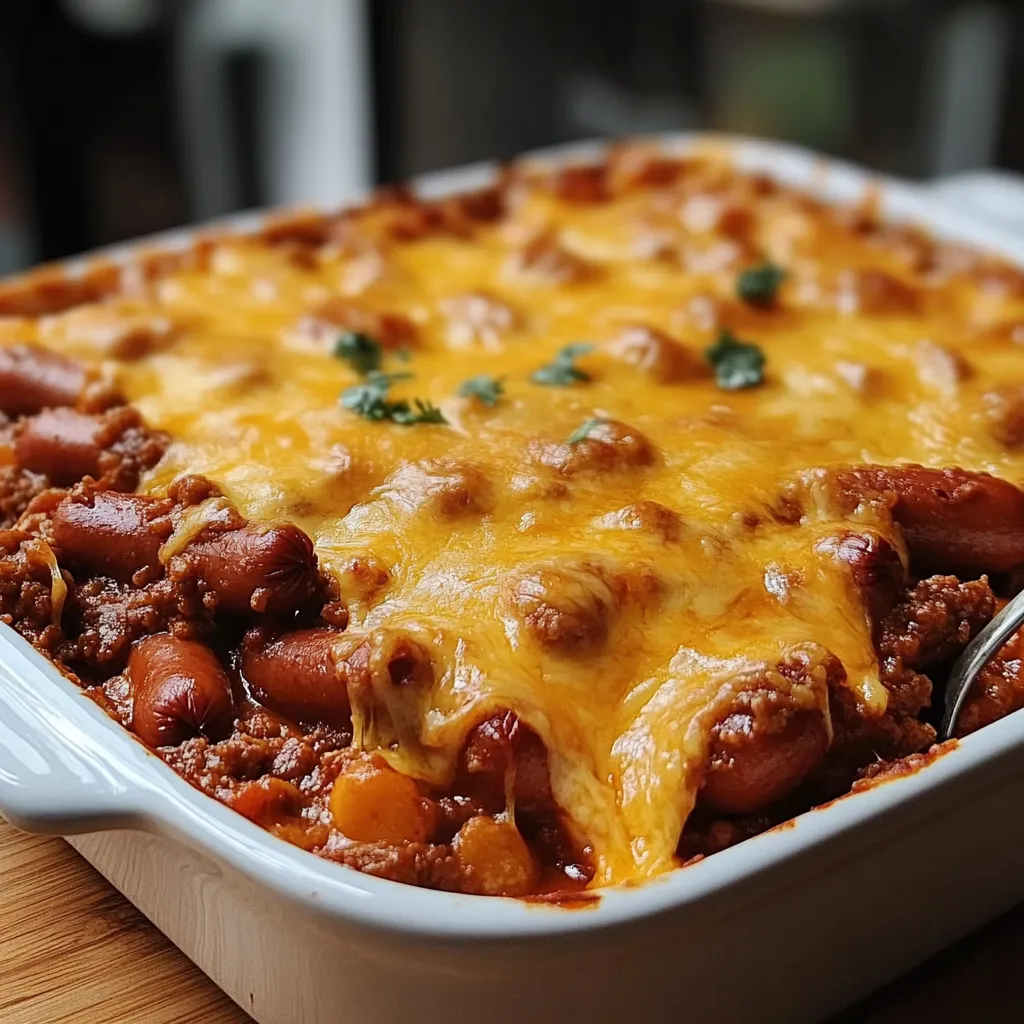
<point>702,941</point>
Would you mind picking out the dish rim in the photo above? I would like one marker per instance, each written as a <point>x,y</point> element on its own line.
<point>68,739</point>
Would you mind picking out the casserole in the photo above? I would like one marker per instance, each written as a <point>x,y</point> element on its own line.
<point>688,913</point>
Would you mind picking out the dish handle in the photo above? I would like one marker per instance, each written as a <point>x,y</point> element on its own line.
<point>55,777</point>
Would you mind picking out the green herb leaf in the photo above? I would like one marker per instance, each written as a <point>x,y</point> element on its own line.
<point>562,371</point>
<point>759,285</point>
<point>486,388</point>
<point>738,364</point>
<point>369,400</point>
<point>583,431</point>
<point>363,353</point>
<point>422,412</point>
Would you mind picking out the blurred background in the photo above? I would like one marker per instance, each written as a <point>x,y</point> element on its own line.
<point>123,117</point>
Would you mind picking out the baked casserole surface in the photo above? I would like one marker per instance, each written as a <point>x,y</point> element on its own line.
<point>530,540</point>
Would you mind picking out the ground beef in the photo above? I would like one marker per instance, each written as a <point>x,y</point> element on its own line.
<point>27,589</point>
<point>935,620</point>
<point>17,488</point>
<point>998,690</point>
<point>274,748</point>
<point>130,449</point>
<point>424,864</point>
<point>927,629</point>
<point>217,768</point>
<point>104,618</point>
<point>704,835</point>
<point>929,626</point>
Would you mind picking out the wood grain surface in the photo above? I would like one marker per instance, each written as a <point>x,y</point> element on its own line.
<point>72,949</point>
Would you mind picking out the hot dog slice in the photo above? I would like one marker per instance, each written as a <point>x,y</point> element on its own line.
<point>179,690</point>
<point>952,519</point>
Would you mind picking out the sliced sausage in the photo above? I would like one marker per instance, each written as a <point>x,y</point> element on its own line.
<point>638,166</point>
<point>504,757</point>
<point>1003,408</point>
<point>875,293</point>
<point>477,318</point>
<point>267,569</point>
<point>608,446</point>
<point>647,516</point>
<point>33,378</point>
<point>655,354</point>
<point>767,740</point>
<point>952,519</point>
<point>760,752</point>
<point>543,260</point>
<point>110,534</point>
<point>875,568</point>
<point>111,331</point>
<point>449,489</point>
<point>392,330</point>
<point>60,443</point>
<point>296,676</point>
<point>580,184</point>
<point>179,690</point>
<point>940,367</point>
<point>566,609</point>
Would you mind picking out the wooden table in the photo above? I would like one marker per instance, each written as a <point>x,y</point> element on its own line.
<point>74,951</point>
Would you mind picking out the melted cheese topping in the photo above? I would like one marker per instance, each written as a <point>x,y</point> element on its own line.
<point>615,603</point>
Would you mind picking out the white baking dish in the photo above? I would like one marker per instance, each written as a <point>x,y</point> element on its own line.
<point>786,927</point>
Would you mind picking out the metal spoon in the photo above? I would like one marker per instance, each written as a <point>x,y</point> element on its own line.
<point>976,656</point>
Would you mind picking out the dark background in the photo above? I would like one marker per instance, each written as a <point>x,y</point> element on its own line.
<point>123,117</point>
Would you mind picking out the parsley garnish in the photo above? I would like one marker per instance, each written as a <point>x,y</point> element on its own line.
<point>363,353</point>
<point>422,412</point>
<point>759,285</point>
<point>738,364</point>
<point>562,371</point>
<point>485,387</point>
<point>583,431</point>
<point>370,401</point>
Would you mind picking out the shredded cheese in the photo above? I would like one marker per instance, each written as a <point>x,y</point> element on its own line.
<point>614,599</point>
